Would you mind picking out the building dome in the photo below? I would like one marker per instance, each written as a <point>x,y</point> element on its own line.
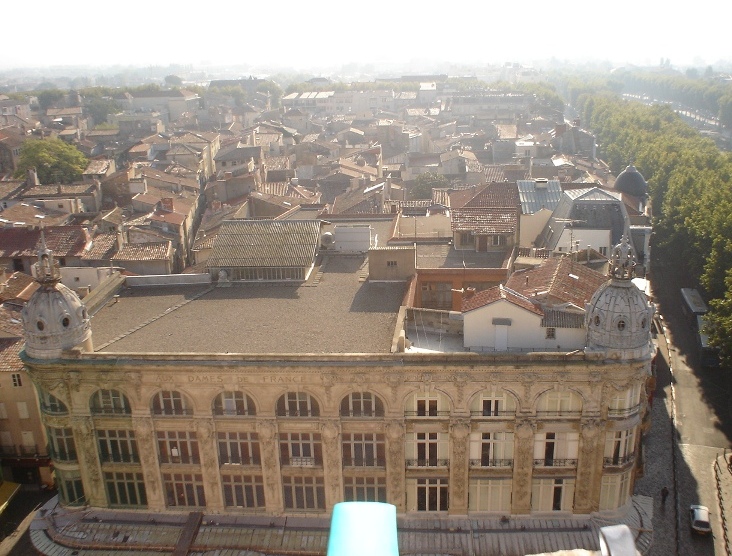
<point>54,319</point>
<point>618,316</point>
<point>631,181</point>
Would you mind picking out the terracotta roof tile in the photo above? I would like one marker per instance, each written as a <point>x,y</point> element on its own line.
<point>154,251</point>
<point>485,220</point>
<point>10,349</point>
<point>497,293</point>
<point>64,241</point>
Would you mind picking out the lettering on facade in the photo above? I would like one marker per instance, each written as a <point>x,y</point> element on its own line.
<point>207,379</point>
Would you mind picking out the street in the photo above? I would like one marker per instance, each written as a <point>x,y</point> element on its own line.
<point>703,423</point>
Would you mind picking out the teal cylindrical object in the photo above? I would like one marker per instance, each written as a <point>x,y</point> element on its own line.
<point>363,529</point>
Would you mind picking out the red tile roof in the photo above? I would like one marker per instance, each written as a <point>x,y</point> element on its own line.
<point>558,280</point>
<point>64,241</point>
<point>10,349</point>
<point>497,293</point>
<point>486,221</point>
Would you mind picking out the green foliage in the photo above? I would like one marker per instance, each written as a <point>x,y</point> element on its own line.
<point>173,81</point>
<point>47,97</point>
<point>99,108</point>
<point>55,161</point>
<point>423,185</point>
<point>690,185</point>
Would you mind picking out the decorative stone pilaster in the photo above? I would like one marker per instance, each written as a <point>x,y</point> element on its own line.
<point>89,465</point>
<point>209,463</point>
<point>589,467</point>
<point>523,466</point>
<point>395,467</point>
<point>332,463</point>
<point>147,448</point>
<point>269,448</point>
<point>459,434</point>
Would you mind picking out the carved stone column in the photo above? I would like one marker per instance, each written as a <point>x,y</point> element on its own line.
<point>89,464</point>
<point>523,466</point>
<point>208,450</point>
<point>148,449</point>
<point>395,470</point>
<point>332,464</point>
<point>269,449</point>
<point>459,464</point>
<point>589,467</point>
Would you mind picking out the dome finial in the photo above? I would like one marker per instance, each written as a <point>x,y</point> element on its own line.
<point>47,270</point>
<point>622,260</point>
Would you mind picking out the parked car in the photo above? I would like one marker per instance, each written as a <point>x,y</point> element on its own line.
<point>699,519</point>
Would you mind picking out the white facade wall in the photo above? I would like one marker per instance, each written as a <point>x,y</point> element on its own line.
<point>525,332</point>
<point>531,226</point>
<point>600,240</point>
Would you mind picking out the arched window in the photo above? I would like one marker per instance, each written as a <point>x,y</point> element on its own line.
<point>493,403</point>
<point>170,402</point>
<point>109,402</point>
<point>51,405</point>
<point>297,404</point>
<point>362,404</point>
<point>559,404</point>
<point>233,403</point>
<point>427,404</point>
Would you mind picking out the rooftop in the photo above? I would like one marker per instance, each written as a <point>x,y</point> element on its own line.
<point>335,312</point>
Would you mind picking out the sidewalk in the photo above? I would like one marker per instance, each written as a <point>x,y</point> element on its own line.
<point>723,474</point>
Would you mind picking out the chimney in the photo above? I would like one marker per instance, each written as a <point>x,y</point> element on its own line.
<point>469,292</point>
<point>166,204</point>
<point>120,240</point>
<point>32,178</point>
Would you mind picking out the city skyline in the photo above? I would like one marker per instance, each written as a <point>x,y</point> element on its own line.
<point>328,36</point>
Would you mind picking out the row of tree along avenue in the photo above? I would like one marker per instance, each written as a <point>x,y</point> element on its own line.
<point>690,187</point>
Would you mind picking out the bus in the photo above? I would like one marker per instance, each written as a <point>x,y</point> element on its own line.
<point>695,310</point>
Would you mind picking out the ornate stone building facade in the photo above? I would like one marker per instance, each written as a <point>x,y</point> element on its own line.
<point>140,420</point>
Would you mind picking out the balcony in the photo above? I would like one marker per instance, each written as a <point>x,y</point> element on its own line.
<point>68,456</point>
<point>364,462</point>
<point>559,414</point>
<point>221,412</point>
<point>428,462</point>
<point>301,462</point>
<point>235,460</point>
<point>113,411</point>
<point>555,462</point>
<point>623,413</point>
<point>119,458</point>
<point>54,410</point>
<point>618,461</point>
<point>433,413</point>
<point>491,462</point>
<point>161,412</point>
<point>500,414</point>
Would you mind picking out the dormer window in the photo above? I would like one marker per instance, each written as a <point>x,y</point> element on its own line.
<point>621,325</point>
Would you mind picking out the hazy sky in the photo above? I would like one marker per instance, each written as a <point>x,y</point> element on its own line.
<point>328,33</point>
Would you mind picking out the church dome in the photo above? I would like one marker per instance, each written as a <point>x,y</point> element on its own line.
<point>618,316</point>
<point>54,319</point>
<point>631,181</point>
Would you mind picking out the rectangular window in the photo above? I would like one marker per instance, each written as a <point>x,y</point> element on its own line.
<point>551,333</point>
<point>22,410</point>
<point>556,449</point>
<point>238,448</point>
<point>184,490</point>
<point>117,446</point>
<point>391,263</point>
<point>125,489</point>
<point>17,380</point>
<point>427,449</point>
<point>303,493</point>
<point>489,495</point>
<point>614,491</point>
<point>3,411</point>
<point>70,488</point>
<point>552,495</point>
<point>300,449</point>
<point>364,489</point>
<point>178,447</point>
<point>363,450</point>
<point>428,495</point>
<point>243,491</point>
<point>61,444</point>
<point>491,449</point>
<point>619,447</point>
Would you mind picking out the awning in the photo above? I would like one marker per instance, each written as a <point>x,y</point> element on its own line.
<point>7,491</point>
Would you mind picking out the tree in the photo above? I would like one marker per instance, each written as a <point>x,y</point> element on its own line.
<point>48,96</point>
<point>55,161</point>
<point>423,185</point>
<point>173,81</point>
